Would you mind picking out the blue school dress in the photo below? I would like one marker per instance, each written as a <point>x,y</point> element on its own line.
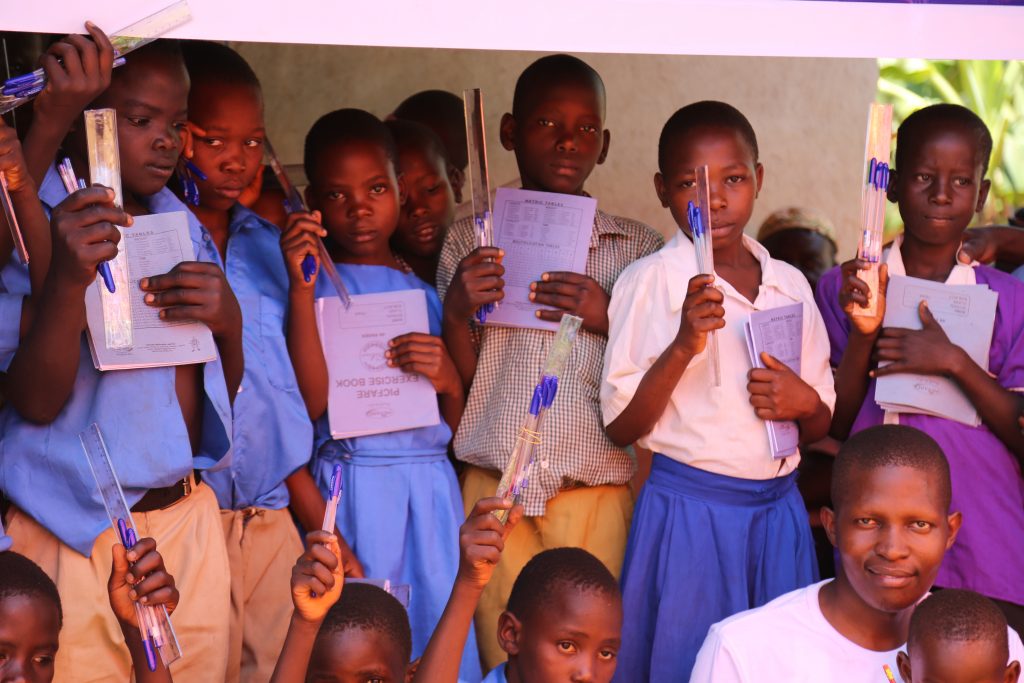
<point>401,508</point>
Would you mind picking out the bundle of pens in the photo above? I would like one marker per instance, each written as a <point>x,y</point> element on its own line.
<point>73,183</point>
<point>515,478</point>
<point>331,512</point>
<point>20,89</point>
<point>12,220</point>
<point>294,203</point>
<point>479,181</point>
<point>699,217</point>
<point>876,184</point>
<point>105,169</point>
<point>158,637</point>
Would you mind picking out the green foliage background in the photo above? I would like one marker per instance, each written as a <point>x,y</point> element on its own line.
<point>992,89</point>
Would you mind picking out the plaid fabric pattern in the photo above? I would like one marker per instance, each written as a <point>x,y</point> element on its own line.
<point>574,442</point>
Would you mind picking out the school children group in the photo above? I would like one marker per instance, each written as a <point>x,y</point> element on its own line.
<point>710,576</point>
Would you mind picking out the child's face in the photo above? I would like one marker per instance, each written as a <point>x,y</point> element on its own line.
<point>970,661</point>
<point>356,655</point>
<point>575,638</point>
<point>231,151</point>
<point>29,628</point>
<point>940,188</point>
<point>152,107</point>
<point>429,203</point>
<point>733,175</point>
<point>355,188</point>
<point>559,139</point>
<point>891,531</point>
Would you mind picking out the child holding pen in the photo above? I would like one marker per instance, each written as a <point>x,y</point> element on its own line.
<point>401,510</point>
<point>719,526</point>
<point>939,183</point>
<point>162,425</point>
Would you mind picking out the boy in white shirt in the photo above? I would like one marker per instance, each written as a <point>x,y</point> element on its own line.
<point>891,525</point>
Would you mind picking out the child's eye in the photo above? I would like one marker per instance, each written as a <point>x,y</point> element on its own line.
<point>687,184</point>
<point>375,680</point>
<point>922,177</point>
<point>43,660</point>
<point>334,196</point>
<point>566,646</point>
<point>607,655</point>
<point>254,142</point>
<point>212,142</point>
<point>434,189</point>
<point>545,122</point>
<point>588,129</point>
<point>734,179</point>
<point>138,121</point>
<point>865,522</point>
<point>921,525</point>
<point>179,125</point>
<point>379,188</point>
<point>962,181</point>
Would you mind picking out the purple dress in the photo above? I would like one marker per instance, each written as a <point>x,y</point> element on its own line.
<point>988,556</point>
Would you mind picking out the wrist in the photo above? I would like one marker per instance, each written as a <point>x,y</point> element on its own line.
<point>305,626</point>
<point>467,586</point>
<point>958,363</point>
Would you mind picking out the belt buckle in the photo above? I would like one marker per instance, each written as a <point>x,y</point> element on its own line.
<point>186,487</point>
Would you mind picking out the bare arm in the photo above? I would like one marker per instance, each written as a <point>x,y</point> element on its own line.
<point>477,282</point>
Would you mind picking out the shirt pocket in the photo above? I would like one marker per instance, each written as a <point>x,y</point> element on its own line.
<point>277,364</point>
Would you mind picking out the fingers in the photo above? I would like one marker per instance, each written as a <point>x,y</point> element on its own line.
<point>482,254</point>
<point>304,221</point>
<point>699,282</point>
<point>551,316</point>
<point>185,275</point>
<point>485,506</point>
<point>569,303</point>
<point>772,363</point>
<point>118,565</point>
<point>573,280</point>
<point>105,51</point>
<point>927,319</point>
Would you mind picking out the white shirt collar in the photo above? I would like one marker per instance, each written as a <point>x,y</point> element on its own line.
<point>961,274</point>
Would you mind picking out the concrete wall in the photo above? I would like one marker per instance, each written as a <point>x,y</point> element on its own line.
<point>809,114</point>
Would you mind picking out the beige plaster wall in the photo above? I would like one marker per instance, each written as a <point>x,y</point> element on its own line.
<point>809,114</point>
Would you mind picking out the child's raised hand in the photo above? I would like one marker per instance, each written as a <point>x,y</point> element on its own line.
<point>477,281</point>
<point>428,356</point>
<point>572,293</point>
<point>927,351</point>
<point>77,71</point>
<point>138,574</point>
<point>84,234</point>
<point>702,312</point>
<point>854,293</point>
<point>317,577</point>
<point>482,538</point>
<point>195,290</point>
<point>12,162</point>
<point>298,240</point>
<point>778,393</point>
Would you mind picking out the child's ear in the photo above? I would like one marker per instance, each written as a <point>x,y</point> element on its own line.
<point>604,148</point>
<point>828,521</point>
<point>402,194</point>
<point>456,178</point>
<point>507,131</point>
<point>903,664</point>
<point>660,190</point>
<point>954,521</point>
<point>759,175</point>
<point>510,630</point>
<point>310,198</point>
<point>891,193</point>
<point>983,189</point>
<point>1012,672</point>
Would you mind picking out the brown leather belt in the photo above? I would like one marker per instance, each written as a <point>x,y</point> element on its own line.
<point>166,496</point>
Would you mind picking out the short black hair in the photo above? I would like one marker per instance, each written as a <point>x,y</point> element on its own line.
<point>555,570</point>
<point>704,114</point>
<point>958,616</point>
<point>412,134</point>
<point>889,446</point>
<point>918,125</point>
<point>210,62</point>
<point>342,126</point>
<point>367,607</point>
<point>445,114</point>
<point>163,48</point>
<point>554,70</point>
<point>21,576</point>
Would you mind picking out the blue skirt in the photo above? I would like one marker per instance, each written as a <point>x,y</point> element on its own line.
<point>703,547</point>
<point>401,515</point>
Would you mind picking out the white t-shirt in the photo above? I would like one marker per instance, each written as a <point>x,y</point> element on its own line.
<point>790,640</point>
<point>718,431</point>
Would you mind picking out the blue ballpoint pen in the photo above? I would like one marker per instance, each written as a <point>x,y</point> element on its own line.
<point>128,540</point>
